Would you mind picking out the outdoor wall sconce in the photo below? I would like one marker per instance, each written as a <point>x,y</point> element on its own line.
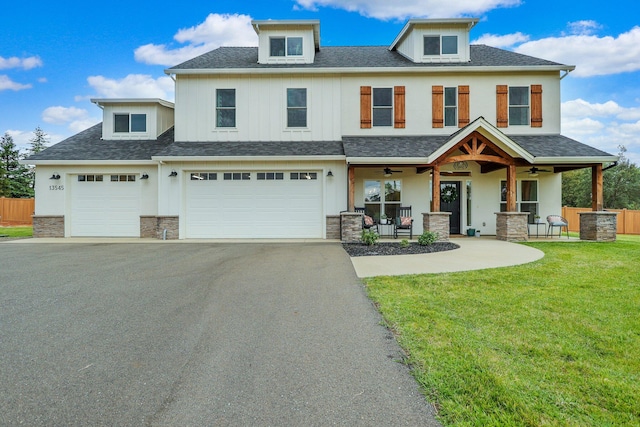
<point>173,174</point>
<point>55,176</point>
<point>330,174</point>
<point>144,176</point>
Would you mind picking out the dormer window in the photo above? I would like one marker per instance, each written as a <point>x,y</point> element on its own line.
<point>125,123</point>
<point>285,46</point>
<point>440,45</point>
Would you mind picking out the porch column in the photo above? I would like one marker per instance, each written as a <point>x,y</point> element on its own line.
<point>511,188</point>
<point>351,189</point>
<point>597,193</point>
<point>435,189</point>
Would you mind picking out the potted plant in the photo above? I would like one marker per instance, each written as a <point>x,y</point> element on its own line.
<point>536,218</point>
<point>383,219</point>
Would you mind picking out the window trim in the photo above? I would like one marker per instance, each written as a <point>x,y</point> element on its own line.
<point>527,107</point>
<point>286,53</point>
<point>219,109</point>
<point>382,107</point>
<point>129,123</point>
<point>440,38</point>
<point>453,107</point>
<point>519,202</point>
<point>383,203</point>
<point>292,108</point>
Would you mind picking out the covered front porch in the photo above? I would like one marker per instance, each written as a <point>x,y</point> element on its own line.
<point>477,178</point>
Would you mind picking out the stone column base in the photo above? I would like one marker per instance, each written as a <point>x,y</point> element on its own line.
<point>153,227</point>
<point>48,225</point>
<point>512,226</point>
<point>437,222</point>
<point>600,226</point>
<point>351,228</point>
<point>333,227</point>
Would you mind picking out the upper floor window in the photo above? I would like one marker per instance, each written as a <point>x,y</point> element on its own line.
<point>450,106</point>
<point>440,45</point>
<point>285,46</point>
<point>124,123</point>
<point>382,107</point>
<point>518,105</point>
<point>225,108</point>
<point>297,108</point>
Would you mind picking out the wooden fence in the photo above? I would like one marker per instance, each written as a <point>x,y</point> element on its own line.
<point>628,221</point>
<point>16,211</point>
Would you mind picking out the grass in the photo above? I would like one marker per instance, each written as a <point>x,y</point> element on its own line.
<point>16,231</point>
<point>555,342</point>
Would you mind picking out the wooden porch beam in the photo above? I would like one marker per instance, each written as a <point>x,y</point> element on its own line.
<point>435,189</point>
<point>511,188</point>
<point>351,189</point>
<point>597,193</point>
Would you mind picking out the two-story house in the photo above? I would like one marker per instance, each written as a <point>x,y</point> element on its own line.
<point>276,141</point>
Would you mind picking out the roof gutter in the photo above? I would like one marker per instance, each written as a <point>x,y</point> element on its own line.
<point>612,165</point>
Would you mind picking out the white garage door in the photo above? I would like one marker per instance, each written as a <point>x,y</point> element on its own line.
<point>105,206</point>
<point>250,204</point>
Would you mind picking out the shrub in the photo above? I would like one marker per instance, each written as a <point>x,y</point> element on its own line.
<point>404,243</point>
<point>369,237</point>
<point>427,238</point>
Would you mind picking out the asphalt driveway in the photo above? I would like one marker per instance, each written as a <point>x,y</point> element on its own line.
<point>195,334</point>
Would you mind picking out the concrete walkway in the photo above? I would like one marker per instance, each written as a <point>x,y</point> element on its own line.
<point>474,254</point>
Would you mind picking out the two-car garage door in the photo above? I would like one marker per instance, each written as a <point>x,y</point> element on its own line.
<point>253,204</point>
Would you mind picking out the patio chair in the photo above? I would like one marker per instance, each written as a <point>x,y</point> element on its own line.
<point>368,223</point>
<point>403,222</point>
<point>557,221</point>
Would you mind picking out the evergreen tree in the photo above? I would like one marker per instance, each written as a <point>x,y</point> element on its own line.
<point>38,143</point>
<point>14,179</point>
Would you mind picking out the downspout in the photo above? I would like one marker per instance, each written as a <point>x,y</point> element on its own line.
<point>612,165</point>
<point>566,73</point>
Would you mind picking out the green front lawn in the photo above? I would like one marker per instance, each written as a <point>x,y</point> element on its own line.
<point>554,342</point>
<point>16,231</point>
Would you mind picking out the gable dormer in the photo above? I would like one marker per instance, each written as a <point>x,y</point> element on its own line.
<point>128,119</point>
<point>435,40</point>
<point>287,42</point>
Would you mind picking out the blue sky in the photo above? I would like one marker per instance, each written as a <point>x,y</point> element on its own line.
<point>54,56</point>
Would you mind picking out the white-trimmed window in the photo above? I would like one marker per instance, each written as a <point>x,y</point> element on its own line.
<point>382,114</point>
<point>285,46</point>
<point>451,106</point>
<point>302,176</point>
<point>123,178</point>
<point>382,196</point>
<point>225,108</point>
<point>236,176</point>
<point>125,123</point>
<point>526,197</point>
<point>435,45</point>
<point>297,108</point>
<point>203,176</point>
<point>90,178</point>
<point>518,105</point>
<point>270,176</point>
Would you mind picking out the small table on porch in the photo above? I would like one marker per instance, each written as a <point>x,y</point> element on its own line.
<point>537,224</point>
<point>389,229</point>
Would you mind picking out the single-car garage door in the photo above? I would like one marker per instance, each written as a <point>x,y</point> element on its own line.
<point>105,206</point>
<point>250,204</point>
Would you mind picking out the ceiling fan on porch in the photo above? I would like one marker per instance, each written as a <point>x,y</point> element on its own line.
<point>533,171</point>
<point>388,172</point>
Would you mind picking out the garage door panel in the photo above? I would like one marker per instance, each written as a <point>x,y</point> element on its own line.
<point>105,208</point>
<point>254,208</point>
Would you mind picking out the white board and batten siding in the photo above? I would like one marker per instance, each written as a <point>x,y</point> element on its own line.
<point>273,207</point>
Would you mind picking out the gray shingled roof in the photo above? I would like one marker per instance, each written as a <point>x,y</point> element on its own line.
<point>89,145</point>
<point>356,57</point>
<point>392,146</point>
<point>252,148</point>
<point>556,146</point>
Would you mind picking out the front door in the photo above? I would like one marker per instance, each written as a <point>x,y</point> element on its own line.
<point>450,202</point>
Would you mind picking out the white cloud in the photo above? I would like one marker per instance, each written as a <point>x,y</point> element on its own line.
<point>217,30</point>
<point>133,86</point>
<point>504,41</point>
<point>583,27</point>
<point>24,63</point>
<point>7,84</point>
<point>385,9</point>
<point>76,119</point>
<point>592,55</point>
<point>22,138</point>
<point>603,125</point>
